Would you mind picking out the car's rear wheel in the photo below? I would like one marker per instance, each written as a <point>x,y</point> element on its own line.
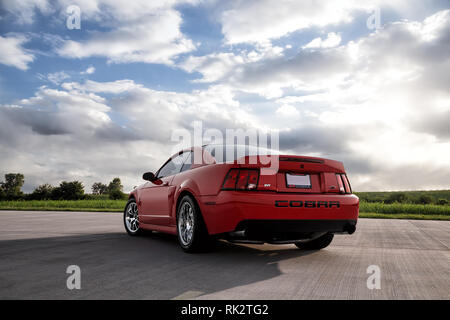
<point>131,218</point>
<point>192,233</point>
<point>316,244</point>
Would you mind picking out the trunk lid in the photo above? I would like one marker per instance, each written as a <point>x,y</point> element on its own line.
<point>297,174</point>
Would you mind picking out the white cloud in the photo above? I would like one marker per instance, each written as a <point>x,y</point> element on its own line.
<point>287,110</point>
<point>262,21</point>
<point>115,87</point>
<point>217,66</point>
<point>89,70</point>
<point>97,10</point>
<point>153,39</point>
<point>13,54</point>
<point>405,53</point>
<point>75,112</point>
<point>136,31</point>
<point>24,10</point>
<point>68,133</point>
<point>333,39</point>
<point>259,21</point>
<point>122,10</point>
<point>57,77</point>
<point>213,67</point>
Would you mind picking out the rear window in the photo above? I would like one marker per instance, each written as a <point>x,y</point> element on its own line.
<point>230,153</point>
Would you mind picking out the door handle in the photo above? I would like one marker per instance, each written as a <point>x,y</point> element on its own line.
<point>165,184</point>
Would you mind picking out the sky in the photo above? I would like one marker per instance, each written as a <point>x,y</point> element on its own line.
<point>363,82</point>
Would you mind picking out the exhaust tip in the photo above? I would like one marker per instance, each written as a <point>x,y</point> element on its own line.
<point>350,228</point>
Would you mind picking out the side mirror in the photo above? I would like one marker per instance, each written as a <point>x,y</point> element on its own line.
<point>149,176</point>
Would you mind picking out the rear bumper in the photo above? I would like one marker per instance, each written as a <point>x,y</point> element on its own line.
<point>300,213</point>
<point>284,231</point>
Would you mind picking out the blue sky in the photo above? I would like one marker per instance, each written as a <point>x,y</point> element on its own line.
<point>103,101</point>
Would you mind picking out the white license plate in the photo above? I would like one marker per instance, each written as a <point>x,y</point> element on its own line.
<point>302,181</point>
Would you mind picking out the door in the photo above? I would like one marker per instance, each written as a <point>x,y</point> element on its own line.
<point>156,199</point>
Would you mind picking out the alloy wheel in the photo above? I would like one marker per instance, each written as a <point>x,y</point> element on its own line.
<point>186,223</point>
<point>131,218</point>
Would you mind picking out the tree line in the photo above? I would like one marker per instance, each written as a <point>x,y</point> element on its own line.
<point>11,189</point>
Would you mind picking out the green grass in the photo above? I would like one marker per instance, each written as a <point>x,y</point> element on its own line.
<point>65,205</point>
<point>396,208</point>
<point>367,209</point>
<point>403,216</point>
<point>412,196</point>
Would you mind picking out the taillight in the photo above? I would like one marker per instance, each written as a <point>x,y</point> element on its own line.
<point>241,179</point>
<point>230,180</point>
<point>347,186</point>
<point>344,185</point>
<point>253,177</point>
<point>340,183</point>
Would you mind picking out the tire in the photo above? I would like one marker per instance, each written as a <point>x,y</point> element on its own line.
<point>191,229</point>
<point>131,218</point>
<point>316,244</point>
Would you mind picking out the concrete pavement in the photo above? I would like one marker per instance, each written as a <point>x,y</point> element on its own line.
<point>36,248</point>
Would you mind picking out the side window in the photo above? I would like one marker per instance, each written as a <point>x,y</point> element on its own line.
<point>188,163</point>
<point>172,167</point>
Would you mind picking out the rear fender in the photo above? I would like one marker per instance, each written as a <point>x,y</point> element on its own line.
<point>189,186</point>
<point>133,195</point>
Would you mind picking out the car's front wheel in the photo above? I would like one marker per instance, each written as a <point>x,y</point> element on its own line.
<point>318,243</point>
<point>191,229</point>
<point>131,218</point>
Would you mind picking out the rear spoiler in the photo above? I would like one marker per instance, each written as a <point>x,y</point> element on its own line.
<point>314,164</point>
<point>291,162</point>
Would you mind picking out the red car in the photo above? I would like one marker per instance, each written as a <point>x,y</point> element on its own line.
<point>228,192</point>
